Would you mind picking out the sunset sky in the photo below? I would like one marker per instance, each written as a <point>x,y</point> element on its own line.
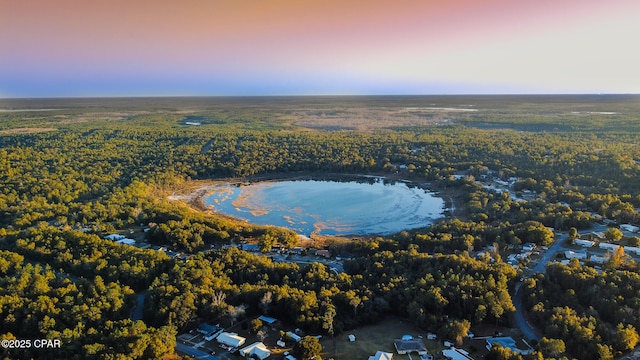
<point>305,47</point>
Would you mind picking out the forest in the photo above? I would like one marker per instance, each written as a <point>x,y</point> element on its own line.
<point>85,168</point>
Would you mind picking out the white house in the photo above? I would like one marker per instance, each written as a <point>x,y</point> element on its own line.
<point>231,339</point>
<point>528,247</point>
<point>126,241</point>
<point>114,237</point>
<point>584,243</point>
<point>381,355</point>
<point>257,349</point>
<point>570,254</point>
<point>456,354</point>
<point>597,259</point>
<point>632,249</point>
<point>629,227</point>
<point>608,246</point>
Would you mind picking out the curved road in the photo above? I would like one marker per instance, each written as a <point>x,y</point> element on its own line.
<point>521,322</point>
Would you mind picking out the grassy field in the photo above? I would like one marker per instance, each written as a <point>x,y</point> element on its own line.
<point>370,339</point>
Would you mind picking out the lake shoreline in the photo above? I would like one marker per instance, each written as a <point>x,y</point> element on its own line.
<point>194,192</point>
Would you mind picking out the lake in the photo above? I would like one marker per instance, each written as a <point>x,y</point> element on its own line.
<point>371,206</point>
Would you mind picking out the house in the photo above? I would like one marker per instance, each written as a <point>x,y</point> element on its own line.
<point>126,241</point>
<point>381,355</point>
<point>249,247</point>
<point>296,250</point>
<point>597,259</point>
<point>507,342</point>
<point>608,246</point>
<point>456,354</point>
<point>256,350</point>
<point>209,331</point>
<point>409,346</point>
<point>323,253</point>
<point>584,243</point>
<point>114,237</point>
<point>632,249</point>
<point>528,247</point>
<point>570,254</point>
<point>352,338</point>
<point>629,227</point>
<point>231,339</point>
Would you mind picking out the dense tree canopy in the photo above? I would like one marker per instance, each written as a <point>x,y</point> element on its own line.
<point>69,177</point>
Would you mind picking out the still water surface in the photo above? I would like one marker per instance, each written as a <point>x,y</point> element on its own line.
<point>329,207</point>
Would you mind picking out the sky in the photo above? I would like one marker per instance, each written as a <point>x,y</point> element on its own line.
<point>71,48</point>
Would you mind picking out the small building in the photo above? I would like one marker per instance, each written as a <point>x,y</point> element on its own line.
<point>597,259</point>
<point>456,354</point>
<point>256,350</point>
<point>409,346</point>
<point>528,247</point>
<point>432,336</point>
<point>114,237</point>
<point>352,338</point>
<point>295,337</point>
<point>268,320</point>
<point>381,355</point>
<point>231,339</point>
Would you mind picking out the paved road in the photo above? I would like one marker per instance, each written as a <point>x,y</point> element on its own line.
<point>137,312</point>
<point>198,354</point>
<point>523,325</point>
<point>521,322</point>
<point>553,249</point>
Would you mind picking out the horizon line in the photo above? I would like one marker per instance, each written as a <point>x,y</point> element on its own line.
<point>303,96</point>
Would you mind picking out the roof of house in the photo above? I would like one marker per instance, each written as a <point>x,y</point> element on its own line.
<point>294,336</point>
<point>409,345</point>
<point>381,355</point>
<point>268,320</point>
<point>257,348</point>
<point>231,339</point>
<point>206,328</point>
<point>455,354</point>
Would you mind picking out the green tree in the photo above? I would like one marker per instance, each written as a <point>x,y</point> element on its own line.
<point>255,325</point>
<point>551,347</point>
<point>498,352</point>
<point>308,347</point>
<point>457,330</point>
<point>613,234</point>
<point>573,233</point>
<point>266,242</point>
<point>626,337</point>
